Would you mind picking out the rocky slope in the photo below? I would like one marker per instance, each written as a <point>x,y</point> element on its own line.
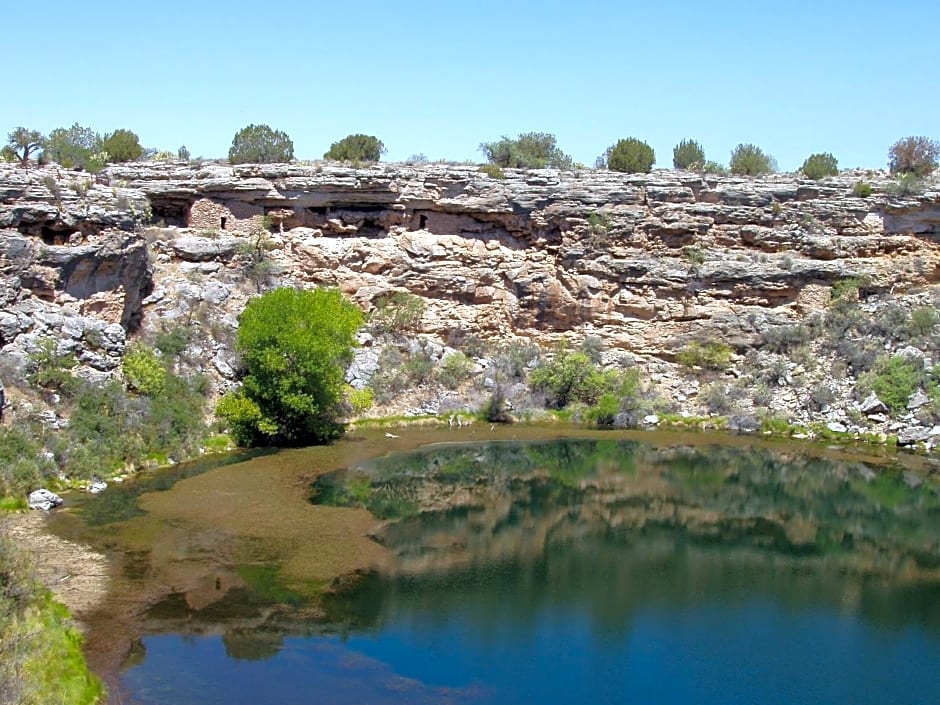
<point>647,263</point>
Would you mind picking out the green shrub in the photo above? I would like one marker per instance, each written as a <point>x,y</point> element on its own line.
<point>144,371</point>
<point>847,289</point>
<point>122,146</point>
<point>494,171</point>
<point>456,369</point>
<point>72,147</point>
<point>630,156</point>
<point>356,148</point>
<point>862,189</point>
<point>781,339</point>
<point>894,379</point>
<point>569,377</point>
<point>259,144</point>
<point>515,359</point>
<point>714,168</point>
<point>914,155</point>
<point>906,184</point>
<point>688,154</point>
<point>530,150</point>
<point>716,399</point>
<point>605,411</point>
<point>296,346</point>
<point>711,356</point>
<point>361,400</point>
<point>21,143</point>
<point>817,166</point>
<point>51,370</point>
<point>396,313</point>
<point>923,320</point>
<point>23,467</point>
<point>750,160</point>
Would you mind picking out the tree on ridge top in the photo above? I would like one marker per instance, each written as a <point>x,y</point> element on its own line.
<point>259,144</point>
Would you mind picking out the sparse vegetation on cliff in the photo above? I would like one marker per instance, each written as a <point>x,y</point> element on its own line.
<point>530,150</point>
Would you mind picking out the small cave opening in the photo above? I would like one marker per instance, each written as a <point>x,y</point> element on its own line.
<point>222,222</point>
<point>170,212</point>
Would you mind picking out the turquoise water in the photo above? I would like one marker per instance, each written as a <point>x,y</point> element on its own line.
<point>595,572</point>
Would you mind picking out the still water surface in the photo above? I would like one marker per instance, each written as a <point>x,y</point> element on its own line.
<point>588,571</point>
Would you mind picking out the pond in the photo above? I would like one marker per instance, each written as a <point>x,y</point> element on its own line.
<point>600,569</point>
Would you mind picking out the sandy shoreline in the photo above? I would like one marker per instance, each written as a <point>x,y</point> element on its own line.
<point>77,575</point>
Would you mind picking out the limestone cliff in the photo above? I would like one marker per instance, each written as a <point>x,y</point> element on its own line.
<point>646,262</point>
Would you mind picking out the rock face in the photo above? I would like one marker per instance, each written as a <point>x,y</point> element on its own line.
<point>645,262</point>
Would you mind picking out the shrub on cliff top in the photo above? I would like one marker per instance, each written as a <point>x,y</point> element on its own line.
<point>122,146</point>
<point>356,148</point>
<point>688,154</point>
<point>914,155</point>
<point>750,160</point>
<point>817,166</point>
<point>259,144</point>
<point>530,150</point>
<point>74,147</point>
<point>21,143</point>
<point>630,156</point>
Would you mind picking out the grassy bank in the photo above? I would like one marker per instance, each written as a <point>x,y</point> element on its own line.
<point>41,659</point>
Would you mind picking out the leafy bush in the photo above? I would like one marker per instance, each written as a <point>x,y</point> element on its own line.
<point>356,148</point>
<point>23,467</point>
<point>894,379</point>
<point>711,356</point>
<point>907,184</point>
<point>716,399</point>
<point>817,166</point>
<point>847,289</point>
<point>400,370</point>
<point>396,313</point>
<point>515,359</point>
<point>73,147</point>
<point>688,154</point>
<point>51,370</point>
<point>862,189</point>
<point>295,346</point>
<point>259,144</point>
<point>750,160</point>
<point>714,168</point>
<point>494,171</point>
<point>923,320</point>
<point>456,369</point>
<point>143,370</point>
<point>530,150</point>
<point>360,400</point>
<point>914,155</point>
<point>122,146</point>
<point>780,339</point>
<point>630,156</point>
<point>569,377</point>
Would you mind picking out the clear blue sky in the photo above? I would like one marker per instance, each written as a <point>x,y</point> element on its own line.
<point>439,78</point>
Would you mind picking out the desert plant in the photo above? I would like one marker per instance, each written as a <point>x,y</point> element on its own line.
<point>688,154</point>
<point>396,313</point>
<point>183,154</point>
<point>906,184</point>
<point>356,148</point>
<point>569,376</point>
<point>750,160</point>
<point>848,289</point>
<point>817,166</point>
<point>862,189</point>
<point>913,155</point>
<point>923,320</point>
<point>144,371</point>
<point>72,147</point>
<point>259,144</point>
<point>530,150</point>
<point>23,142</point>
<point>456,368</point>
<point>122,146</point>
<point>494,171</point>
<point>711,355</point>
<point>630,156</point>
<point>894,379</point>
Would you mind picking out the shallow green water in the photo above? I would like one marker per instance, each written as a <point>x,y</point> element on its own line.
<point>587,570</point>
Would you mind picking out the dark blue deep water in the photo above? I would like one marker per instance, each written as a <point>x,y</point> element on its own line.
<point>592,572</point>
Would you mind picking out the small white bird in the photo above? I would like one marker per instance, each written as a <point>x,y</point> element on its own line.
<point>391,435</point>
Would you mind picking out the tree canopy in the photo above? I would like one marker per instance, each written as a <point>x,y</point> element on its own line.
<point>74,147</point>
<point>631,156</point>
<point>23,142</point>
<point>530,150</point>
<point>259,144</point>
<point>750,160</point>
<point>914,155</point>
<point>122,146</point>
<point>356,148</point>
<point>295,345</point>
<point>688,154</point>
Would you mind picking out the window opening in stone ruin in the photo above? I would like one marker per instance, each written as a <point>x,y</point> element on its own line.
<point>422,222</point>
<point>222,222</point>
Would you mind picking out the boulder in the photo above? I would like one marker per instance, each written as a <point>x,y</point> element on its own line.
<point>912,436</point>
<point>44,499</point>
<point>917,400</point>
<point>872,405</point>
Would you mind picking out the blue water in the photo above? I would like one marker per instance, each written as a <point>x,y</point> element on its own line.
<point>599,573</point>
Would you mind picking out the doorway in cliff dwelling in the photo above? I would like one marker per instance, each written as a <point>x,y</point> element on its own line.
<point>222,222</point>
<point>422,222</point>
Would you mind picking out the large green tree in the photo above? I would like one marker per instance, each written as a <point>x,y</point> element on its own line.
<point>356,148</point>
<point>751,160</point>
<point>259,144</point>
<point>530,150</point>
<point>631,156</point>
<point>73,147</point>
<point>296,345</point>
